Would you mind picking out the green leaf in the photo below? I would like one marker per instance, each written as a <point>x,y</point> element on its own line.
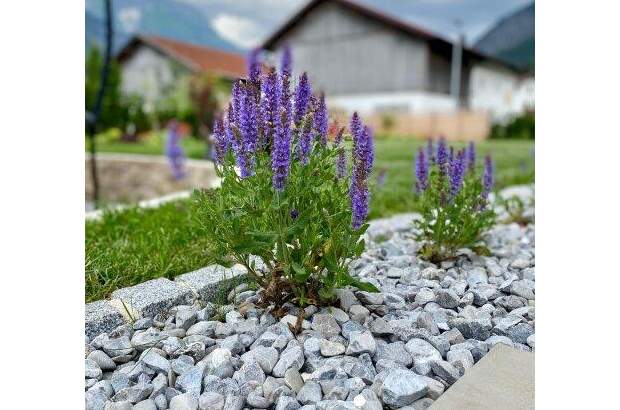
<point>364,286</point>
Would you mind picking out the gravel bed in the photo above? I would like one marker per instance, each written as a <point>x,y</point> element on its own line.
<point>401,348</point>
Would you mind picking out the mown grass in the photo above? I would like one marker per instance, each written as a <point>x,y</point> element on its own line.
<point>153,144</point>
<point>128,247</point>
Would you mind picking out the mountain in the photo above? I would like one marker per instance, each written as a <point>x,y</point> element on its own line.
<point>174,19</point>
<point>512,38</point>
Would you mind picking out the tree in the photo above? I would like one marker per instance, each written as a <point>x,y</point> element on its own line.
<point>112,111</point>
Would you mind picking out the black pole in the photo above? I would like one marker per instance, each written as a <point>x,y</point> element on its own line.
<point>96,112</point>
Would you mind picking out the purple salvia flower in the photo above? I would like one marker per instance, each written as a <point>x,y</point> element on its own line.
<point>487,177</point>
<point>294,213</point>
<point>228,127</point>
<point>254,66</point>
<point>269,106</point>
<point>303,92</point>
<point>356,128</point>
<point>341,161</point>
<point>358,192</point>
<point>421,171</point>
<point>304,143</point>
<point>174,151</point>
<point>235,103</point>
<point>471,156</point>
<point>281,151</point>
<point>241,158</point>
<point>360,198</point>
<point>442,155</point>
<point>248,125</point>
<point>321,122</point>
<point>456,176</point>
<point>286,66</point>
<point>286,70</point>
<point>369,149</point>
<point>220,145</point>
<point>451,158</point>
<point>430,150</point>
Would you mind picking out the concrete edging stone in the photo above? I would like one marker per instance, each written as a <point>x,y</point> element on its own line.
<point>156,296</point>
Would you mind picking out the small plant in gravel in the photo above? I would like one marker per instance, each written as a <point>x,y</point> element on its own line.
<point>453,202</point>
<point>287,193</point>
<point>516,209</point>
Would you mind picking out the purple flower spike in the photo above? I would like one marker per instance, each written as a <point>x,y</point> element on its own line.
<point>248,125</point>
<point>360,197</point>
<point>321,120</point>
<point>254,66</point>
<point>233,111</point>
<point>286,66</point>
<point>341,161</point>
<point>362,164</point>
<point>269,106</point>
<point>303,92</point>
<point>487,177</point>
<point>281,151</point>
<point>305,142</point>
<point>421,171</point>
<point>174,151</point>
<point>221,143</point>
<point>471,156</point>
<point>430,150</point>
<point>442,155</point>
<point>355,127</point>
<point>456,176</point>
<point>369,149</point>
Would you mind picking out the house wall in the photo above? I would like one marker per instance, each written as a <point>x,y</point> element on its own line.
<point>497,91</point>
<point>150,75</point>
<point>345,53</point>
<point>394,102</point>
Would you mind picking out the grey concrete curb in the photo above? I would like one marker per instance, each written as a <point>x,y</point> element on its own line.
<point>157,296</point>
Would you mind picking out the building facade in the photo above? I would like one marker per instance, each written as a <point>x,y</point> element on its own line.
<point>154,67</point>
<point>367,61</point>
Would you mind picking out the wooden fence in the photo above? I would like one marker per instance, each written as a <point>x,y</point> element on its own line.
<point>457,126</point>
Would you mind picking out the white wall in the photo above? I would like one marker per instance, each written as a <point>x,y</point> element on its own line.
<point>525,94</point>
<point>412,102</point>
<point>148,74</point>
<point>499,91</point>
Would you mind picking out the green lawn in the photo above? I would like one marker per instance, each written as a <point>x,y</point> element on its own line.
<point>128,247</point>
<point>152,144</point>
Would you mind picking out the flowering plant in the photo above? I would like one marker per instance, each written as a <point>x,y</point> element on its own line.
<point>174,150</point>
<point>287,195</point>
<point>453,200</point>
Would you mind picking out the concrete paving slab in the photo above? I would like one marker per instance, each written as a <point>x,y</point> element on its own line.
<point>502,379</point>
<point>154,296</point>
<point>206,282</point>
<point>101,316</point>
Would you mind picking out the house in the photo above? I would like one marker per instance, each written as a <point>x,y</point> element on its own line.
<point>152,66</point>
<point>369,61</point>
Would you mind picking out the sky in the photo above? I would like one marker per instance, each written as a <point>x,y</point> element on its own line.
<point>247,22</point>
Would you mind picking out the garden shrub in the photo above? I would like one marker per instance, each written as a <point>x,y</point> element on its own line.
<point>520,127</point>
<point>453,200</point>
<point>287,194</point>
